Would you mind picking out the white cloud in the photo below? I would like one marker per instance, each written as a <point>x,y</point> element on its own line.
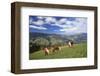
<point>30,20</point>
<point>63,26</point>
<point>81,23</point>
<point>69,22</point>
<point>50,20</point>
<point>38,27</point>
<point>82,20</point>
<point>39,22</point>
<point>68,29</point>
<point>62,21</point>
<point>78,25</point>
<point>40,17</point>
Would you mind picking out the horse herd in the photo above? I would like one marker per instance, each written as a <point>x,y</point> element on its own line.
<point>53,49</point>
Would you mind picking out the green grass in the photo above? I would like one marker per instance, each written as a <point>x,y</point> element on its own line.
<point>77,51</point>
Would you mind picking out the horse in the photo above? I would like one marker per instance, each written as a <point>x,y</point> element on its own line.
<point>55,49</point>
<point>52,49</point>
<point>46,51</point>
<point>70,43</point>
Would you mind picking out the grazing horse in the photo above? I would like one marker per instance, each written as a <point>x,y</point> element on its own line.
<point>55,49</point>
<point>70,43</point>
<point>46,51</point>
<point>51,49</point>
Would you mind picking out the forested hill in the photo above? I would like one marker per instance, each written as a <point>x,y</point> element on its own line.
<point>77,38</point>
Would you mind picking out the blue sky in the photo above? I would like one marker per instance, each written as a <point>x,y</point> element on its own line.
<point>57,24</point>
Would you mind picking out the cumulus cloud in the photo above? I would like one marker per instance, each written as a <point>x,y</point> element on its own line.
<point>50,20</point>
<point>81,23</point>
<point>62,21</point>
<point>40,17</point>
<point>78,25</point>
<point>64,24</point>
<point>68,29</point>
<point>38,27</point>
<point>82,20</point>
<point>39,22</point>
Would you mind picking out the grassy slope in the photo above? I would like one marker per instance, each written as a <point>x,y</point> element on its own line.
<point>78,51</point>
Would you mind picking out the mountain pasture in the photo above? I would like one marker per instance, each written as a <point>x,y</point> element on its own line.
<point>77,51</point>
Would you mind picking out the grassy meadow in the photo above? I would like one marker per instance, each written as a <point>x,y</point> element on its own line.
<point>77,51</point>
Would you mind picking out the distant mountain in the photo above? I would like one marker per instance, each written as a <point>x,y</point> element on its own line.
<point>35,34</point>
<point>82,37</point>
<point>77,38</point>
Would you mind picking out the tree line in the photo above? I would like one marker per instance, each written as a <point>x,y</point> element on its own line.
<point>36,44</point>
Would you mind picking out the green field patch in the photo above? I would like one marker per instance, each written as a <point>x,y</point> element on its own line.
<point>77,51</point>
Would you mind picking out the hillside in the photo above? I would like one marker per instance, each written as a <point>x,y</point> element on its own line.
<point>77,38</point>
